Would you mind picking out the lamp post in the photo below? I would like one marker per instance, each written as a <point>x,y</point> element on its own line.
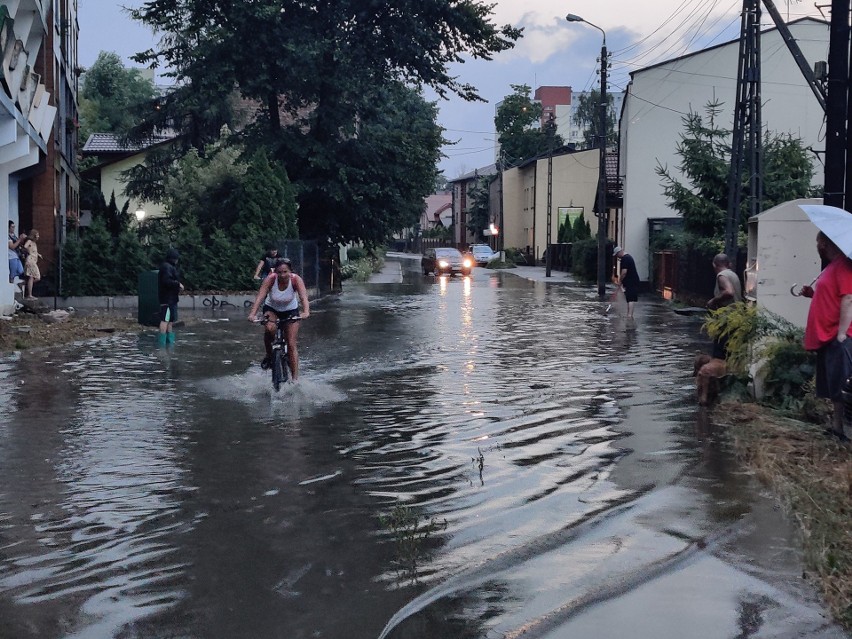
<point>140,214</point>
<point>602,212</point>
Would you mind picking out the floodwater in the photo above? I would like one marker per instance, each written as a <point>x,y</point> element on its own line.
<point>463,458</point>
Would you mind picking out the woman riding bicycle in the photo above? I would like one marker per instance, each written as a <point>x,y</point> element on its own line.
<point>281,292</point>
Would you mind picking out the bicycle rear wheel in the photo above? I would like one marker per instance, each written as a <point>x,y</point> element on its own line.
<point>279,369</point>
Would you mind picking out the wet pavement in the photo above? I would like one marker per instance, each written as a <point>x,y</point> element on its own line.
<point>494,456</point>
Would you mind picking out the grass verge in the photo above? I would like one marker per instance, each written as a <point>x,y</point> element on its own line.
<point>812,476</point>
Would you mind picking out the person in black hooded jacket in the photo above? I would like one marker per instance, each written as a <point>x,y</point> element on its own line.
<point>169,288</point>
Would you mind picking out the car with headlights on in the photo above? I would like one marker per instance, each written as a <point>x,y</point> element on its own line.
<point>445,261</point>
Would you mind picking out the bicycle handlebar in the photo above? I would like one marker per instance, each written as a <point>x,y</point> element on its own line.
<point>263,320</point>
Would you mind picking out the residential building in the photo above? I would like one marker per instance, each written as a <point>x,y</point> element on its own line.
<point>660,96</point>
<point>571,179</point>
<point>555,106</point>
<point>559,103</point>
<point>39,186</point>
<point>461,189</point>
<point>114,157</point>
<point>437,211</point>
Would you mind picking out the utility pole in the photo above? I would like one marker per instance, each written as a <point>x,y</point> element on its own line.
<point>747,123</point>
<point>549,261</point>
<point>837,104</point>
<point>602,211</point>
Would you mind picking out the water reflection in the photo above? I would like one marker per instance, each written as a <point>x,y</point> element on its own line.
<point>462,457</point>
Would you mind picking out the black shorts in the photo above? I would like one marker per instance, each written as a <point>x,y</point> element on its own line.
<point>168,312</point>
<point>631,293</point>
<point>720,348</point>
<point>834,365</point>
<point>281,314</point>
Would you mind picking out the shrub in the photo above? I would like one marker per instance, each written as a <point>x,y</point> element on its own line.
<point>360,270</point>
<point>758,335</point>
<point>584,259</point>
<point>356,253</point>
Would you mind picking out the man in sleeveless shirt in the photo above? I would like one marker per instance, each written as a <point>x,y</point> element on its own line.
<point>708,370</point>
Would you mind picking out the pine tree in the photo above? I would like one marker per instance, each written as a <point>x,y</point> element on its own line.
<point>705,152</point>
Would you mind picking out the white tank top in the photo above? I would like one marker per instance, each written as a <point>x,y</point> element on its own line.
<point>285,300</point>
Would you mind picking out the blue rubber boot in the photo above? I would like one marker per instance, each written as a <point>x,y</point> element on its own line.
<point>161,339</point>
<point>170,338</point>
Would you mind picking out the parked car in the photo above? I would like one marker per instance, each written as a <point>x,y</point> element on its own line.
<point>482,254</point>
<point>445,260</point>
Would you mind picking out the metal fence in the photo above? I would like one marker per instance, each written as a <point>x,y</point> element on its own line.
<point>688,274</point>
<point>305,258</point>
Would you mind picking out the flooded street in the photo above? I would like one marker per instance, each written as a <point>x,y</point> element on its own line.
<point>463,458</point>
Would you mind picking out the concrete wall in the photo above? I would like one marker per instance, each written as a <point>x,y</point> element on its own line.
<point>187,302</point>
<point>660,96</point>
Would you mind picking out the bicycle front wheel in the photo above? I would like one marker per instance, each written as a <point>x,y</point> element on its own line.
<point>279,370</point>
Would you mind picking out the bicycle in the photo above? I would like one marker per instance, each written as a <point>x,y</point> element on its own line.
<point>278,364</point>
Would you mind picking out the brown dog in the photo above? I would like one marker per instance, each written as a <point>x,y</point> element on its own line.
<point>707,371</point>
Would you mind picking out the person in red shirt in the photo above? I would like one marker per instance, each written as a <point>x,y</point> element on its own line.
<point>828,328</point>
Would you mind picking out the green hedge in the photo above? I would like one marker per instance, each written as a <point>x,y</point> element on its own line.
<point>96,263</point>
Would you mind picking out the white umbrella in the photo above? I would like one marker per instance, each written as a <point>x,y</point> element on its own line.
<point>834,222</point>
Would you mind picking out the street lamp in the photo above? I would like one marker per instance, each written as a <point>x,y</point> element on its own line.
<point>140,214</point>
<point>602,212</point>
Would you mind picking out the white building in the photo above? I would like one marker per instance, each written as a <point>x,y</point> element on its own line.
<point>658,97</point>
<point>26,111</point>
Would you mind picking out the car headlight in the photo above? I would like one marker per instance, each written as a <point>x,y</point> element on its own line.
<point>467,263</point>
<point>443,263</point>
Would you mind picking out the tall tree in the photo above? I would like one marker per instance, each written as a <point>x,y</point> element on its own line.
<point>519,130</point>
<point>111,96</point>
<point>479,207</point>
<point>335,65</point>
<point>587,115</point>
<point>705,153</point>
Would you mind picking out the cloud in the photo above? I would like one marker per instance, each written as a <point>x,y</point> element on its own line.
<point>542,41</point>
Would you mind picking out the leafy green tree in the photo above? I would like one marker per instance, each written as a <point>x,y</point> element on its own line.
<point>338,71</point>
<point>110,95</point>
<point>267,202</point>
<point>369,185</point>
<point>587,115</point>
<point>479,207</point>
<point>705,153</point>
<point>518,127</point>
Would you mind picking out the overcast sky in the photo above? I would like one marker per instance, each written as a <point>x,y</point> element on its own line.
<point>552,52</point>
